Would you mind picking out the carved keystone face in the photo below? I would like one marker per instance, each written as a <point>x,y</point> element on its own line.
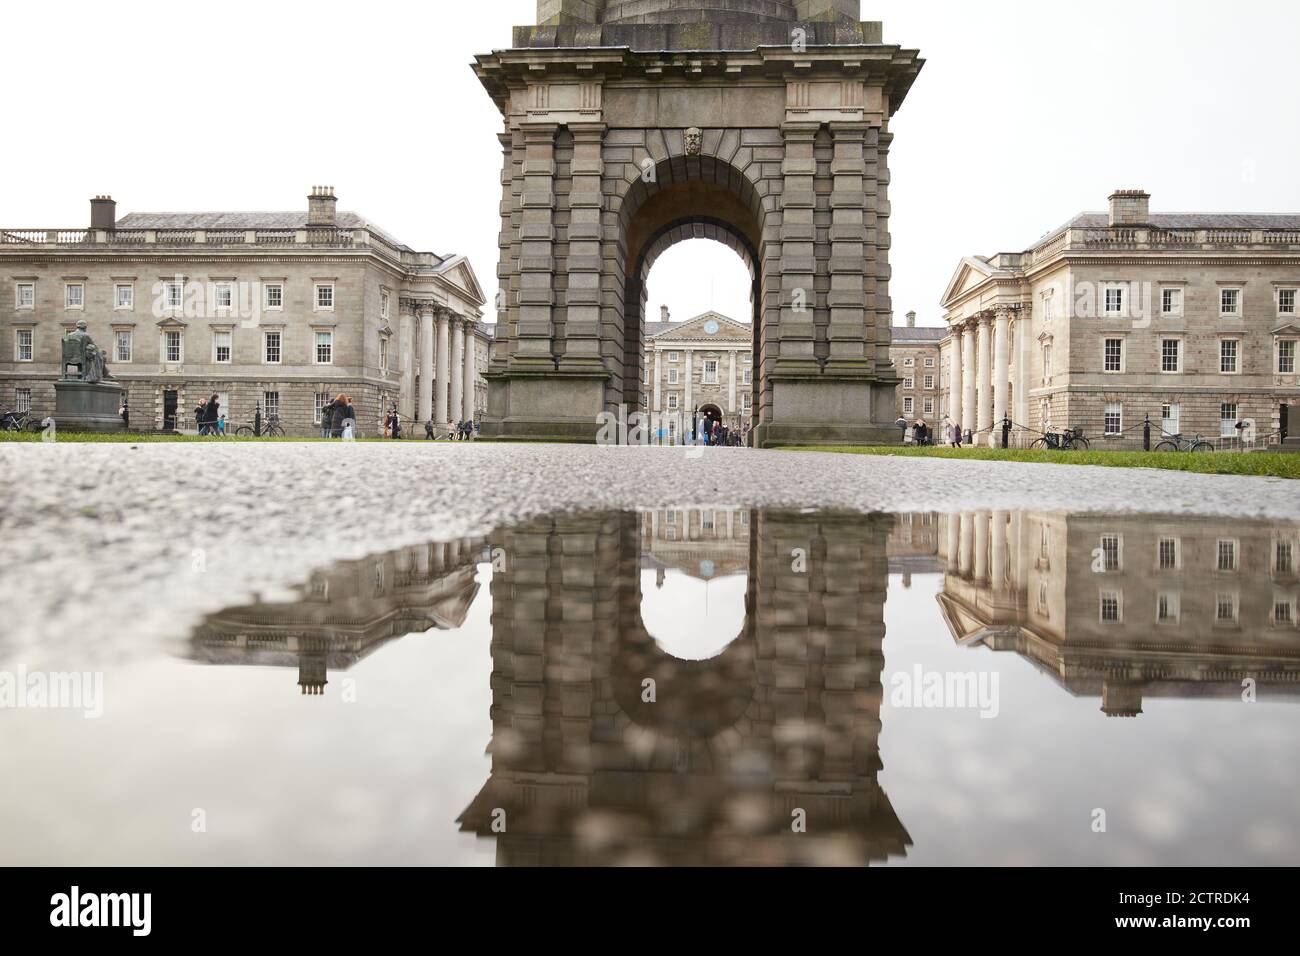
<point>694,141</point>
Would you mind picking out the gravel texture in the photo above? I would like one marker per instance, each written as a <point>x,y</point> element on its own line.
<point>107,550</point>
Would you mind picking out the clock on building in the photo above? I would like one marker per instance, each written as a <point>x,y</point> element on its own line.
<point>711,327</point>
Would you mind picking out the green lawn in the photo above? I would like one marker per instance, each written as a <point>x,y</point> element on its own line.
<point>1271,464</point>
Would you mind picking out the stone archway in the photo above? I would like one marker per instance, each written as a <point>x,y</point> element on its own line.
<point>630,126</point>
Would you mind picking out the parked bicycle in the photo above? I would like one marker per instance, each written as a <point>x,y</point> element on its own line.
<point>19,422</point>
<point>270,429</point>
<point>1070,440</point>
<point>1179,443</point>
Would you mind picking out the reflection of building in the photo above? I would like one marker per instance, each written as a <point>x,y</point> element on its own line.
<point>1129,608</point>
<point>716,768</point>
<point>280,311</point>
<point>913,546</point>
<point>705,543</point>
<point>916,360</point>
<point>700,367</point>
<point>347,612</point>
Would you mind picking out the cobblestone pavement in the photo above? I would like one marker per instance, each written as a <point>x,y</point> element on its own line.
<point>108,549</point>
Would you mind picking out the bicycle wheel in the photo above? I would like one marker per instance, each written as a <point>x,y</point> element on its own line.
<point>1078,444</point>
<point>274,431</point>
<point>1167,446</point>
<point>1039,445</point>
<point>244,431</point>
<point>1202,446</point>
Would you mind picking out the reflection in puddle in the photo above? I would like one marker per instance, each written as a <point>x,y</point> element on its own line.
<point>704,686</point>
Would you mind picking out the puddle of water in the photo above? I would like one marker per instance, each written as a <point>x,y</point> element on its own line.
<point>706,686</point>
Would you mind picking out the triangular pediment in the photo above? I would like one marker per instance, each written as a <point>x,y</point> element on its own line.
<point>708,327</point>
<point>457,271</point>
<point>971,272</point>
<point>1291,328</point>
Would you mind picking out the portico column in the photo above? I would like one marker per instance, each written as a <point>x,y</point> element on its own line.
<point>425,410</point>
<point>659,392</point>
<point>1024,329</point>
<point>955,382</point>
<point>470,372</point>
<point>966,549</point>
<point>406,344</point>
<point>444,370</point>
<point>456,396</point>
<point>1001,357</point>
<point>999,569</point>
<point>690,405</point>
<point>984,378</point>
<point>968,380</point>
<point>731,388</point>
<point>982,546</point>
<point>952,530</point>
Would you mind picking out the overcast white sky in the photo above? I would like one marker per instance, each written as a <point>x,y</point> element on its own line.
<point>1026,113</point>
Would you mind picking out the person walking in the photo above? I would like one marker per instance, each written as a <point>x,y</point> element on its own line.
<point>201,417</point>
<point>327,418</point>
<point>956,435</point>
<point>339,415</point>
<point>213,414</point>
<point>397,424</point>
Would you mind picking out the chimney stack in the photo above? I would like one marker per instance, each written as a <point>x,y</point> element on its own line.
<point>103,213</point>
<point>663,314</point>
<point>911,320</point>
<point>1130,207</point>
<point>322,206</point>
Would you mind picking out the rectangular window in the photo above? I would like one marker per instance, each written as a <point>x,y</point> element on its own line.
<point>929,381</point>
<point>124,296</point>
<point>1047,361</point>
<point>672,403</point>
<point>271,350</point>
<point>1171,419</point>
<point>222,296</point>
<point>1114,301</point>
<point>1171,301</point>
<point>1047,309</point>
<point>1228,420</point>
<point>929,406</point>
<point>1110,551</point>
<point>1114,418</point>
<point>908,405</point>
<point>1284,558</point>
<point>746,377</point>
<point>273,296</point>
<point>1229,301</point>
<point>123,345</point>
<point>1286,357</point>
<point>318,406</point>
<point>271,402</point>
<point>673,376</point>
<point>324,348</point>
<point>929,363</point>
<point>1225,608</point>
<point>1227,554</point>
<point>221,346</point>
<point>1284,612</point>
<point>1171,355</point>
<point>324,297</point>
<point>1167,608</point>
<point>24,345</point>
<point>909,363</point>
<point>74,295</point>
<point>175,295</point>
<point>383,355</point>
<point>672,357</point>
<point>1114,355</point>
<point>383,305</point>
<point>710,372</point>
<point>172,347</point>
<point>1286,301</point>
<point>1168,551</point>
<point>22,399</point>
<point>26,296</point>
<point>1110,607</point>
<point>1228,356</point>
<point>909,382</point>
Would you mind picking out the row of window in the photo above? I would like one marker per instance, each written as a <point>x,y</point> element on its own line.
<point>910,382</point>
<point>674,401</point>
<point>173,347</point>
<point>1227,608</point>
<point>708,374</point>
<point>1114,356</point>
<point>1171,414</point>
<point>909,406</point>
<point>221,296</point>
<point>1232,301</point>
<point>1169,555</point>
<point>911,363</point>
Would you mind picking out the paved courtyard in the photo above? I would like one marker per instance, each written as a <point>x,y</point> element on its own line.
<point>135,544</point>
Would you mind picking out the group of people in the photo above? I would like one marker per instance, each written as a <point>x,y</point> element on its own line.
<point>338,419</point>
<point>919,433</point>
<point>207,416</point>
<point>714,433</point>
<point>456,431</point>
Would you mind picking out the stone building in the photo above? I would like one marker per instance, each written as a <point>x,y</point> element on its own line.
<point>697,369</point>
<point>631,125</point>
<point>1129,607</point>
<point>273,310</point>
<point>1189,319</point>
<point>916,359</point>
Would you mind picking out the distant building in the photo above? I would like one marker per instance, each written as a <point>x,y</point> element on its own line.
<point>916,358</point>
<point>1187,319</point>
<point>703,366</point>
<point>277,311</point>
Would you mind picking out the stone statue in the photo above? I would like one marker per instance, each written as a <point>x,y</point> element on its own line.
<point>694,141</point>
<point>80,350</point>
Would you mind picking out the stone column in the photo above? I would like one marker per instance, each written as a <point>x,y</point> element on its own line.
<point>583,293</point>
<point>999,565</point>
<point>470,372</point>
<point>456,397</point>
<point>659,392</point>
<point>851,334</point>
<point>981,519</point>
<point>1024,331</point>
<point>1001,361</point>
<point>955,382</point>
<point>796,351</point>
<point>406,347</point>
<point>966,559</point>
<point>425,411</point>
<point>731,387</point>
<point>968,379</point>
<point>984,377</point>
<point>952,540</point>
<point>689,410</point>
<point>536,327</point>
<point>444,369</point>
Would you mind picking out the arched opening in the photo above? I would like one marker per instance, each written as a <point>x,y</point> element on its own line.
<point>678,200</point>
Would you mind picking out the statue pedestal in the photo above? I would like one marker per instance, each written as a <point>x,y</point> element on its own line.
<point>88,407</point>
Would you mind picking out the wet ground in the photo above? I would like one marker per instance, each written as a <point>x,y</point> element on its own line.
<point>695,684</point>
